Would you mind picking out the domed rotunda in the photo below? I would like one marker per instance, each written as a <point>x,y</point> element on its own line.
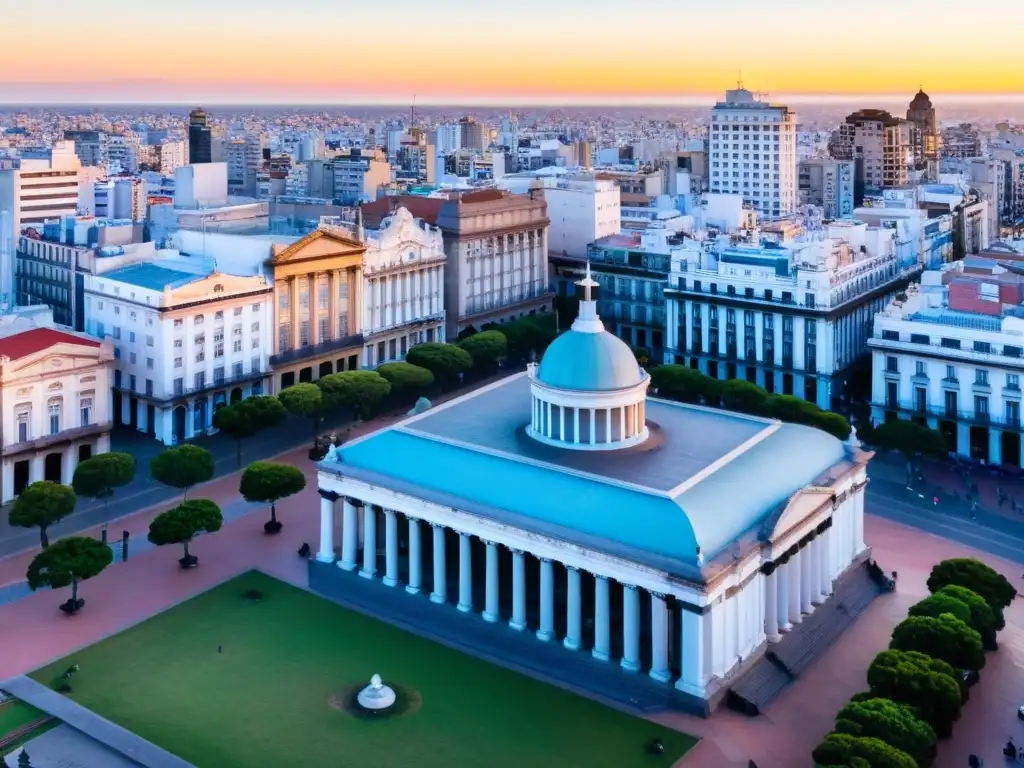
<point>588,392</point>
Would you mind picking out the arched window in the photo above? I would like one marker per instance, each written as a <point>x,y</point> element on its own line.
<point>85,407</point>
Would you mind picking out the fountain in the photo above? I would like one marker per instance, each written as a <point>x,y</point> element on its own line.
<point>376,697</point>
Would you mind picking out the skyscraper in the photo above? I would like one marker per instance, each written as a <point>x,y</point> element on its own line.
<point>926,141</point>
<point>753,152</point>
<point>199,137</point>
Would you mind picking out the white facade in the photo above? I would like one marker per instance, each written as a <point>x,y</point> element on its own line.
<point>186,341</point>
<point>958,372</point>
<point>403,287</point>
<point>754,153</point>
<point>790,316</point>
<point>53,403</point>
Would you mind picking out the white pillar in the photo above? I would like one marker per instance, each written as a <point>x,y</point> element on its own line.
<point>327,504</point>
<point>691,657</point>
<point>547,426</point>
<point>561,423</point>
<point>793,569</point>
<point>465,573</point>
<point>440,593</point>
<point>659,639</point>
<point>576,425</point>
<point>858,530</point>
<point>630,628</point>
<point>491,598</point>
<point>349,535</point>
<point>369,541</point>
<point>602,633</point>
<point>518,620</point>
<point>771,607</point>
<point>573,618</point>
<point>806,557</point>
<point>415,558</point>
<point>782,597</point>
<point>814,576</point>
<point>593,428</point>
<point>547,598</point>
<point>622,423</point>
<point>825,565</point>
<point>390,548</point>
<point>608,424</point>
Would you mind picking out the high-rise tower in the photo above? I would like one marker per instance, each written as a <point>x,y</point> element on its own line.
<point>200,137</point>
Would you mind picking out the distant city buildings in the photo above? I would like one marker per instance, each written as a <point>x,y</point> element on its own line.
<point>881,146</point>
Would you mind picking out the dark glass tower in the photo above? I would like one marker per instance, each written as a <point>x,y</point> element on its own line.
<point>199,137</point>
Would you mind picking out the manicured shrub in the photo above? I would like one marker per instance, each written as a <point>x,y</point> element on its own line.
<point>487,349</point>
<point>946,638</point>
<point>445,361</point>
<point>993,587</point>
<point>983,618</point>
<point>940,603</point>
<point>742,396</point>
<point>407,381</point>
<point>840,749</point>
<point>928,685</point>
<point>895,724</point>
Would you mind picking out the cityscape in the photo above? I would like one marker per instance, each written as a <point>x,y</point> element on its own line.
<point>513,413</point>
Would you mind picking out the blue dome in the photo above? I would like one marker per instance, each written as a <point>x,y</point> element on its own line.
<point>589,362</point>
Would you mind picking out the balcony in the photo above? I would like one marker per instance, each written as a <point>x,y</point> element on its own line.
<point>223,383</point>
<point>315,350</point>
<point>62,437</point>
<point>975,418</point>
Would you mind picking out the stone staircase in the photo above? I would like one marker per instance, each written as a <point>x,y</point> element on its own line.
<point>787,659</point>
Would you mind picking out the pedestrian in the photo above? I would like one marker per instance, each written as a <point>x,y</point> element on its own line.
<point>220,649</point>
<point>974,510</point>
<point>935,500</point>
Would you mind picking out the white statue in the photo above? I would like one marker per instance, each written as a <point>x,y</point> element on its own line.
<point>332,453</point>
<point>853,441</point>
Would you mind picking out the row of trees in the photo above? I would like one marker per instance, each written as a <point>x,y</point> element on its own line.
<point>917,688</point>
<point>689,385</point>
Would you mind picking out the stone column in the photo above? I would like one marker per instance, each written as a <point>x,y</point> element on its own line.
<point>491,602</point>
<point>824,566</point>
<point>465,573</point>
<point>630,628</point>
<point>293,286</point>
<point>349,536</point>
<point>771,609</point>
<point>576,425</point>
<point>415,558</point>
<point>440,593</point>
<point>573,619</point>
<point>782,591</point>
<point>602,632</point>
<point>659,639</point>
<point>333,283</point>
<point>547,597</point>
<point>547,421</point>
<point>593,426</point>
<point>691,656</point>
<point>369,542</point>
<point>806,560</point>
<point>793,570</point>
<point>390,548</point>
<point>858,522</point>
<point>518,620</point>
<point>327,502</point>
<point>313,281</point>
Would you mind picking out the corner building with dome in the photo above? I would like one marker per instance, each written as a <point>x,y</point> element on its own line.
<point>665,547</point>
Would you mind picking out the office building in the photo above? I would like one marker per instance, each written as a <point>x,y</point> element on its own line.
<point>881,146</point>
<point>200,136</point>
<point>91,147</point>
<point>827,184</point>
<point>753,153</point>
<point>927,139</point>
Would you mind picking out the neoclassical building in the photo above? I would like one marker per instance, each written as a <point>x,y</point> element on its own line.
<point>659,538</point>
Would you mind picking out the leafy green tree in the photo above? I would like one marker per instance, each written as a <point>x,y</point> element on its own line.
<point>268,482</point>
<point>742,396</point>
<point>642,355</point>
<point>911,439</point>
<point>993,587</point>
<point>42,504</point>
<point>304,400</point>
<point>407,381</point>
<point>833,423</point>
<point>99,476</point>
<point>983,618</point>
<point>529,336</point>
<point>243,419</point>
<point>180,524</point>
<point>840,749</point>
<point>928,685</point>
<point>182,467</point>
<point>362,391</point>
<point>566,309</point>
<point>792,409</point>
<point>940,603</point>
<point>688,385</point>
<point>466,332</point>
<point>67,562</point>
<point>445,361</point>
<point>895,724</point>
<point>946,638</point>
<point>486,349</point>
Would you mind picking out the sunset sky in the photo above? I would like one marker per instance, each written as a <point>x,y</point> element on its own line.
<point>536,51</point>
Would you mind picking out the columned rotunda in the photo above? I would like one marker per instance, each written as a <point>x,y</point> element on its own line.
<point>656,537</point>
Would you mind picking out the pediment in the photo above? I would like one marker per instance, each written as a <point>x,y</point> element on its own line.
<point>801,505</point>
<point>319,244</point>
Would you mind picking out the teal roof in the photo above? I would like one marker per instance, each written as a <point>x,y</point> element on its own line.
<point>591,362</point>
<point>153,277</point>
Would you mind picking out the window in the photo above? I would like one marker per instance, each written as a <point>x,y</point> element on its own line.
<point>149,387</point>
<point>178,322</point>
<point>982,346</point>
<point>918,338</point>
<point>177,362</point>
<point>238,311</point>
<point>85,410</point>
<point>892,365</point>
<point>237,370</point>
<point>951,343</point>
<point>131,337</point>
<point>23,433</point>
<point>981,377</point>
<point>236,346</point>
<point>131,358</point>
<point>255,327</point>
<point>131,382</point>
<point>53,407</point>
<point>950,373</point>
<point>197,320</point>
<point>149,341</point>
<point>1011,351</point>
<point>255,307</point>
<point>117,332</point>
<point>920,369</point>
<point>218,375</point>
<point>1013,381</point>
<point>218,315</point>
<point>179,386</point>
<point>149,363</point>
<point>891,335</point>
<point>200,380</point>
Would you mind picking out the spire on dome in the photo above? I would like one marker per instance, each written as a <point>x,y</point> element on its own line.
<point>587,320</point>
<point>587,284</point>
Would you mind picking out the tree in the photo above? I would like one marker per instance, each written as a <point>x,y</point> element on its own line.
<point>304,400</point>
<point>742,396</point>
<point>983,618</point>
<point>465,333</point>
<point>833,423</point>
<point>180,524</point>
<point>940,603</point>
<point>244,418</point>
<point>182,467</point>
<point>269,482</point>
<point>840,749</point>
<point>911,439</point>
<point>23,759</point>
<point>977,577</point>
<point>407,381</point>
<point>946,638</point>
<point>41,505</point>
<point>69,561</point>
<point>362,391</point>
<point>928,685</point>
<point>486,349</point>
<point>445,361</point>
<point>688,385</point>
<point>895,724</point>
<point>98,477</point>
<point>642,355</point>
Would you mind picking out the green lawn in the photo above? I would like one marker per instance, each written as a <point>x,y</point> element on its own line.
<point>17,714</point>
<point>264,700</point>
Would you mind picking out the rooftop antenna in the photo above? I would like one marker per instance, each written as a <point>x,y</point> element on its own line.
<point>739,79</point>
